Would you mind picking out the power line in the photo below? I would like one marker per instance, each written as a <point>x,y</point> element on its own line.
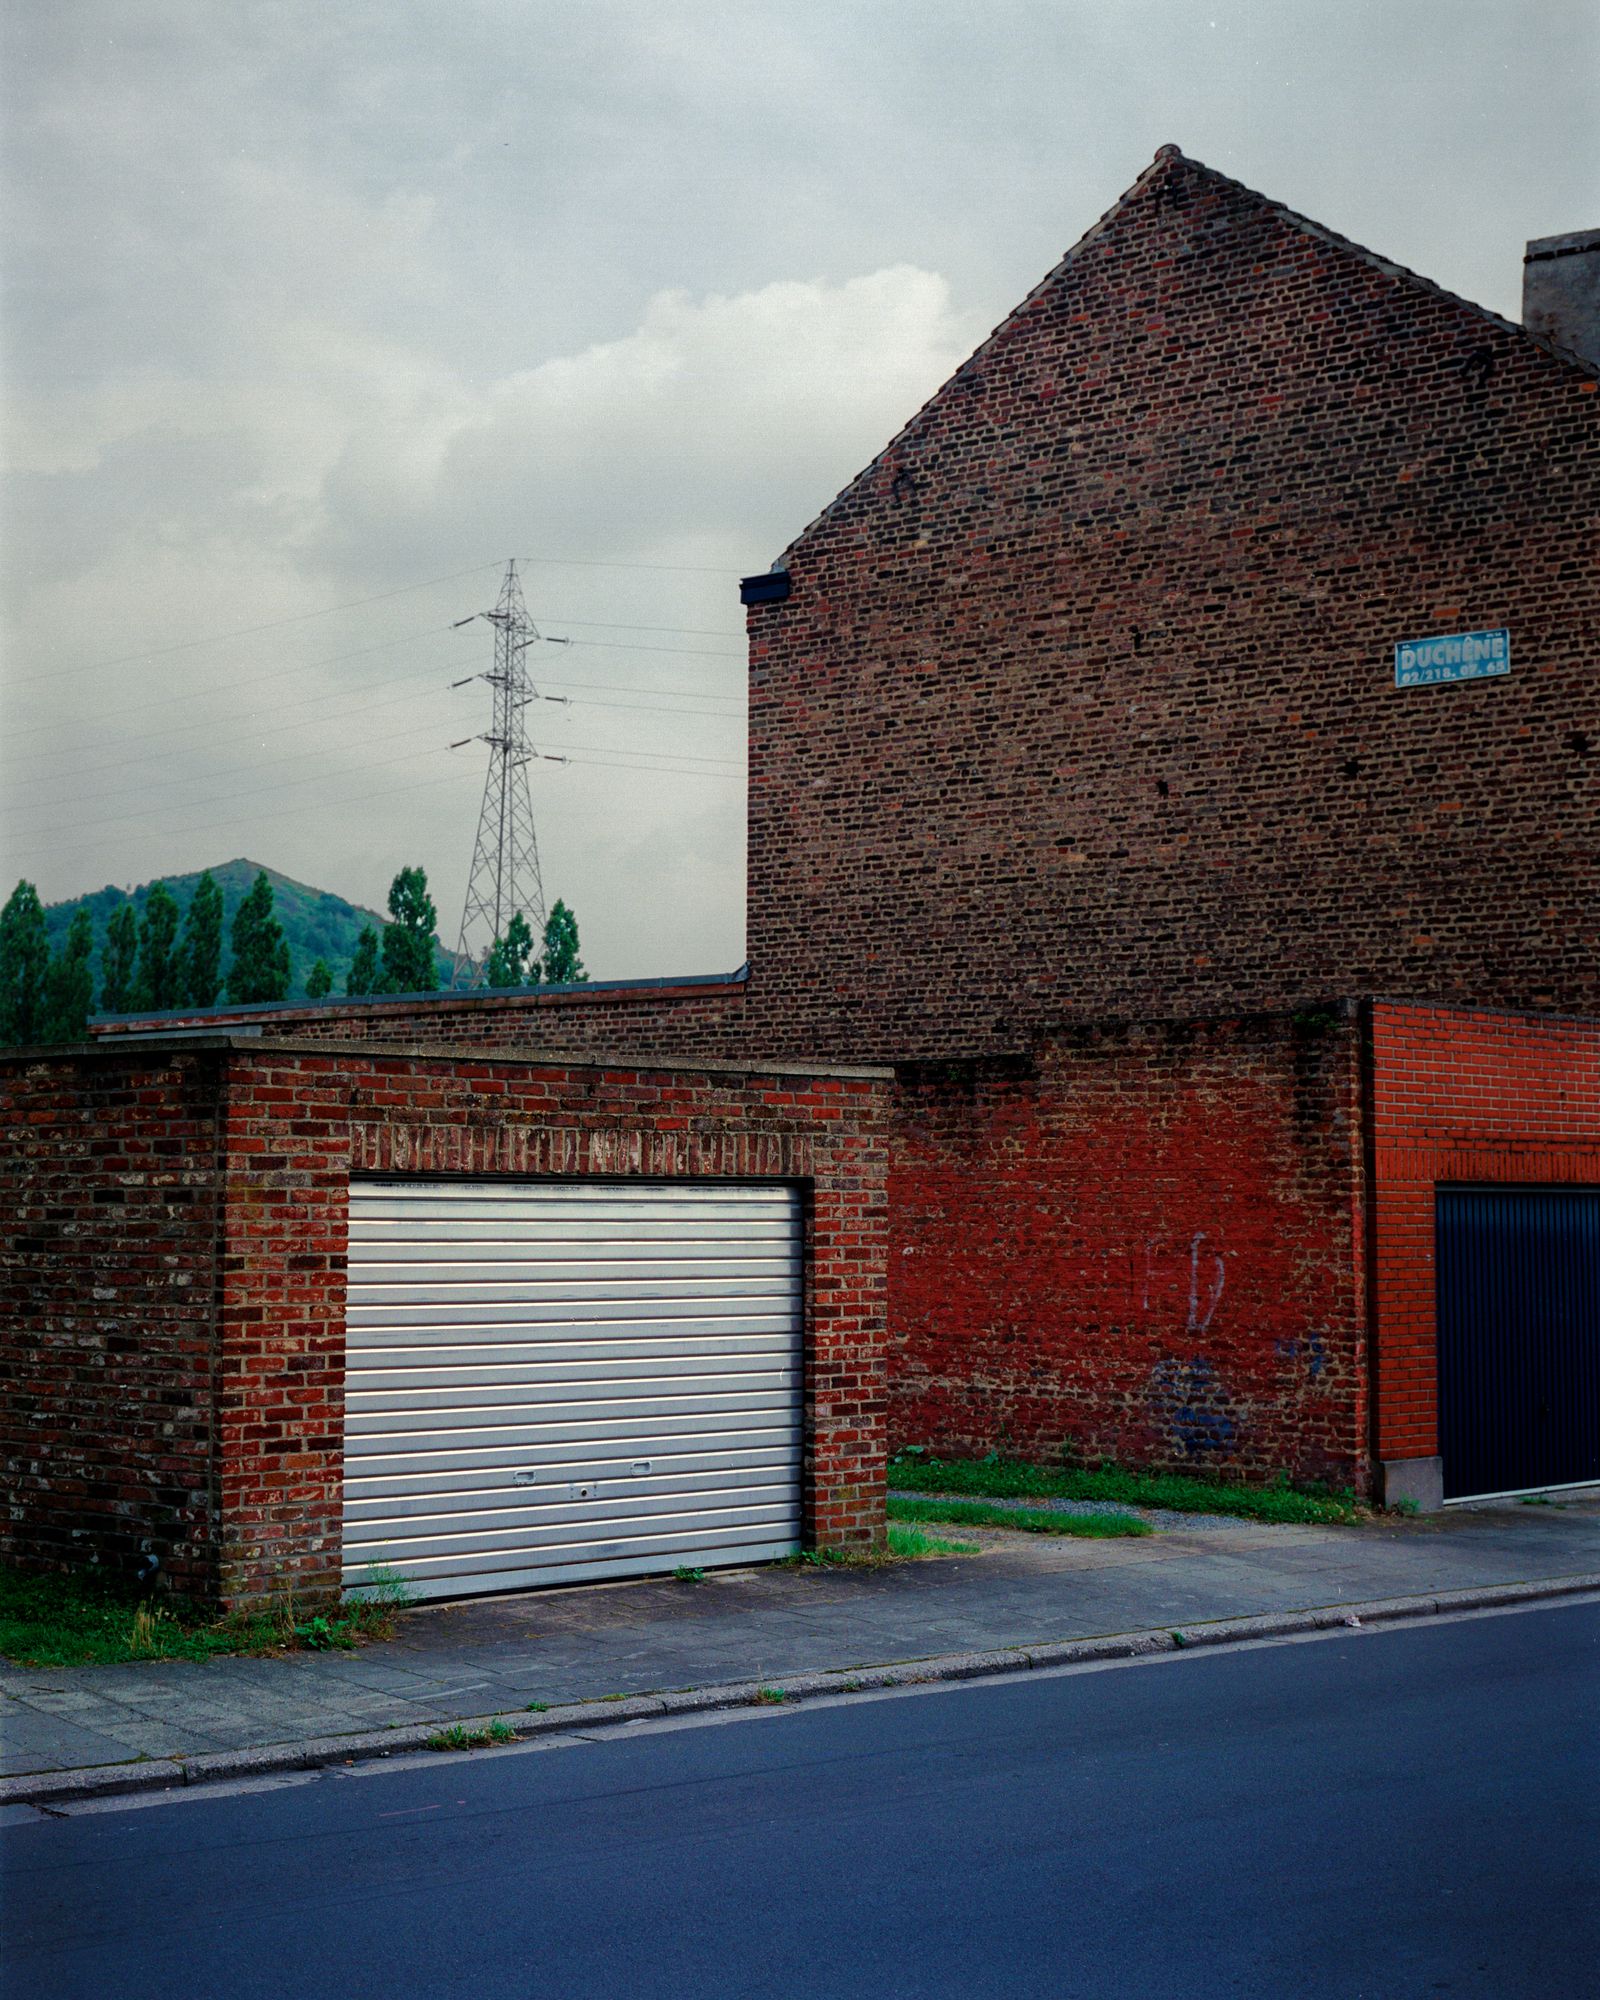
<point>283,673</point>
<point>594,562</point>
<point>613,625</point>
<point>160,701</point>
<point>623,646</point>
<point>249,631</point>
<point>646,761</point>
<point>168,732</point>
<point>383,597</point>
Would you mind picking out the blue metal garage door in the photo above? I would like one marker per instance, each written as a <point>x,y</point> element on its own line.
<point>1519,1338</point>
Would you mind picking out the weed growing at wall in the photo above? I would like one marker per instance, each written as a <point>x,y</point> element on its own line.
<point>77,1620</point>
<point>1008,1478</point>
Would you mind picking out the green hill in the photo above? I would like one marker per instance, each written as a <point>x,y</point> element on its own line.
<point>316,923</point>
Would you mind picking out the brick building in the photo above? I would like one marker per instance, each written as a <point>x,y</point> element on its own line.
<point>1104,781</point>
<point>274,1313</point>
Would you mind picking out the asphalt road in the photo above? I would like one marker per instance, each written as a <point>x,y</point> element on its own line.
<point>1387,1813</point>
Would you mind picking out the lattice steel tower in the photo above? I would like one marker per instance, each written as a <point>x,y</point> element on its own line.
<point>505,862</point>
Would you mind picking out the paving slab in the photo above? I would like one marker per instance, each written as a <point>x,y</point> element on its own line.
<point>587,1642</point>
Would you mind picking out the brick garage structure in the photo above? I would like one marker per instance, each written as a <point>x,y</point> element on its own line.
<point>1080,780</point>
<point>174,1255</point>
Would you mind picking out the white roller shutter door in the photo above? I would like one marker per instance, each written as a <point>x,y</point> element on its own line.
<point>552,1381</point>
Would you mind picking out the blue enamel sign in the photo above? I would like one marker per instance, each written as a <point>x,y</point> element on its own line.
<point>1464,656</point>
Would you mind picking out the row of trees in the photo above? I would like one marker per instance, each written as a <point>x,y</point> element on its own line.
<point>515,960</point>
<point>153,960</point>
<point>163,959</point>
<point>403,960</point>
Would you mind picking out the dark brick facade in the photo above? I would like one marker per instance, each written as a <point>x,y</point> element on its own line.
<point>1082,701</point>
<point>110,1202</point>
<point>1083,704</point>
<point>172,1267</point>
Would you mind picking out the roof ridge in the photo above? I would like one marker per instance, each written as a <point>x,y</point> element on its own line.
<point>1164,157</point>
<point>1389,265</point>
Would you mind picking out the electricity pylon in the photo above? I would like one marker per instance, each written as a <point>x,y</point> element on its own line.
<point>505,862</point>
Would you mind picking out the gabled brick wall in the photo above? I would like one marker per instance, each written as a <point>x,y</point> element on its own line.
<point>1083,700</point>
<point>1459,1097</point>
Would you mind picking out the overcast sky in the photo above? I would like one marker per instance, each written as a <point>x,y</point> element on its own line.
<point>313,315</point>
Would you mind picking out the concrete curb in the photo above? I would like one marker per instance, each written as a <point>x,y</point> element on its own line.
<point>66,1788</point>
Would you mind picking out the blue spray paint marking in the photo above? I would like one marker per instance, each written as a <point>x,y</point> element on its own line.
<point>1193,1405</point>
<point>1311,1349</point>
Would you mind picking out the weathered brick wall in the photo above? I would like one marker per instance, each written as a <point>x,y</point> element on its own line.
<point>299,1123</point>
<point>1083,703</point>
<point>173,1271</point>
<point>1147,1247</point>
<point>108,1295</point>
<point>1459,1097</point>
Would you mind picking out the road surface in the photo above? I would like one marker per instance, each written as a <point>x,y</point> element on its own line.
<point>1384,1813</point>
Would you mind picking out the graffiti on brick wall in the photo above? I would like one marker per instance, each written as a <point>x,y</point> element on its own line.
<point>1195,1269</point>
<point>1188,1402</point>
<point>1190,1405</point>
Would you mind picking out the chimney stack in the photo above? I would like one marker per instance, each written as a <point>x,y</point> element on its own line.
<point>1561,291</point>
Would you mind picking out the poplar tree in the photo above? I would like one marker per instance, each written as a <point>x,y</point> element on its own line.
<point>512,959</point>
<point>562,965</point>
<point>118,961</point>
<point>159,983</point>
<point>69,984</point>
<point>202,944</point>
<point>24,959</point>
<point>260,968</point>
<point>363,974</point>
<point>319,980</point>
<point>409,965</point>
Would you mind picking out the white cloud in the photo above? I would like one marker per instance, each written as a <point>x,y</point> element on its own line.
<point>330,456</point>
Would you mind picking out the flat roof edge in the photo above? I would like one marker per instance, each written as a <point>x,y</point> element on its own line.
<point>181,1041</point>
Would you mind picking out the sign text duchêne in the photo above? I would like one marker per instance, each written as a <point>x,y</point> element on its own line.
<point>1462,656</point>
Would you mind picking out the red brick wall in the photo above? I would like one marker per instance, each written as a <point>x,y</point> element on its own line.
<point>1459,1096</point>
<point>1147,1249</point>
<point>196,1400</point>
<point>1083,701</point>
<point>108,1286</point>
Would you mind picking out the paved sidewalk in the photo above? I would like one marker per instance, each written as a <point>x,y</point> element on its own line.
<point>498,1655</point>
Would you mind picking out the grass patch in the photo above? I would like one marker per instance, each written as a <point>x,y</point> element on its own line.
<point>908,1543</point>
<point>901,1544</point>
<point>458,1737</point>
<point>1010,1479</point>
<point>1031,1520</point>
<point>77,1619</point>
